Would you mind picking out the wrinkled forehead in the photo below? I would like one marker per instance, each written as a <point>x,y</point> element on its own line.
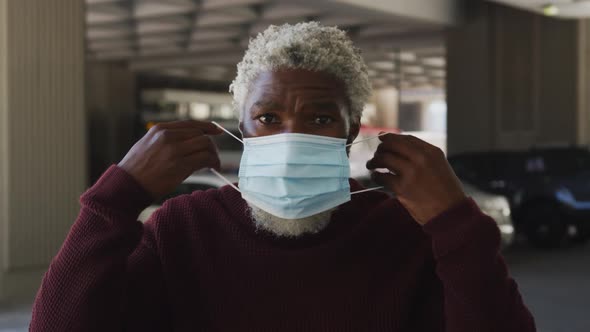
<point>273,88</point>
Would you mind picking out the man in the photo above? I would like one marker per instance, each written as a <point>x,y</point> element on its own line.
<point>220,261</point>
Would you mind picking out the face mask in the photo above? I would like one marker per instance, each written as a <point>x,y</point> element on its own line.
<point>294,176</point>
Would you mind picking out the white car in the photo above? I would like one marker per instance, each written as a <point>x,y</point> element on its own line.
<point>198,181</point>
<point>497,207</point>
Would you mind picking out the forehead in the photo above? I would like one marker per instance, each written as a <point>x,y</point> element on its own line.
<point>304,83</point>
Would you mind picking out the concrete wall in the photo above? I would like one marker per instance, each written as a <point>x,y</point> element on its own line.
<point>583,116</point>
<point>471,123</point>
<point>558,80</point>
<point>512,80</point>
<point>3,144</point>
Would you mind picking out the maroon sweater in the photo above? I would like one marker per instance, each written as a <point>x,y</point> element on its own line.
<point>200,265</point>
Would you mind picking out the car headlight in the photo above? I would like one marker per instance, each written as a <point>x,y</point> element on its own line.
<point>497,205</point>
<point>506,229</point>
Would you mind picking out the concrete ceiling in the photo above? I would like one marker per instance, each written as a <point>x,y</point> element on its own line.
<point>566,8</point>
<point>205,39</point>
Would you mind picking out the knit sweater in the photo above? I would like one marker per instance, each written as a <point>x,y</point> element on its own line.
<point>200,264</point>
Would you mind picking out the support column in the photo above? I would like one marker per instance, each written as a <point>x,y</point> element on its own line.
<point>42,135</point>
<point>386,101</point>
<point>584,83</point>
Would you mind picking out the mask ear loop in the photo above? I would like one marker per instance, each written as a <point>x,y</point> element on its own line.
<point>359,141</point>
<point>227,131</point>
<point>366,139</point>
<point>226,180</point>
<point>223,178</point>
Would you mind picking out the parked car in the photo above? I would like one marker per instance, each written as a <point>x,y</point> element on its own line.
<point>548,189</point>
<point>198,181</point>
<point>494,205</point>
<point>497,207</point>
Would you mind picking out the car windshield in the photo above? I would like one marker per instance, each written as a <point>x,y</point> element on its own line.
<point>560,162</point>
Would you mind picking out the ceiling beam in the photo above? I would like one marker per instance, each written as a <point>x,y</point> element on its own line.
<point>422,39</point>
<point>231,55</point>
<point>442,12</point>
<point>147,18</point>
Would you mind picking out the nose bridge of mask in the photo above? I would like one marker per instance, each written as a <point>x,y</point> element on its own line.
<point>224,179</point>
<point>294,156</point>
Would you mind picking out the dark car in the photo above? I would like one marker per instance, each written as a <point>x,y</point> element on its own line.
<point>548,189</point>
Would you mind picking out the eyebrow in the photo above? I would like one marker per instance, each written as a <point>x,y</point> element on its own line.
<point>323,105</point>
<point>267,105</point>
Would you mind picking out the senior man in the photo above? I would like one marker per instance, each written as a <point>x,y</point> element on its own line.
<point>295,246</point>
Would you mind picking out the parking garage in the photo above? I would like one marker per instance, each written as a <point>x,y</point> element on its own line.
<point>500,86</point>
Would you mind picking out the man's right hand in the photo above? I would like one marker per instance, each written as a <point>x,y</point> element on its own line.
<point>169,153</point>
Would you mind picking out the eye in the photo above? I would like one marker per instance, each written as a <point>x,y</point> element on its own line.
<point>323,120</point>
<point>268,118</point>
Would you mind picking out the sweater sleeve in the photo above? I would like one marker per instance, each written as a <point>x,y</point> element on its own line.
<point>479,295</point>
<point>106,271</point>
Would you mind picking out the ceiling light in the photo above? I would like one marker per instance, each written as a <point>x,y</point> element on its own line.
<point>413,70</point>
<point>550,10</point>
<point>383,65</point>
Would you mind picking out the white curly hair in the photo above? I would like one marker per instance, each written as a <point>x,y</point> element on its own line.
<point>309,46</point>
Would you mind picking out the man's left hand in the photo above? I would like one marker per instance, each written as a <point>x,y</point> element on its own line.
<point>419,175</point>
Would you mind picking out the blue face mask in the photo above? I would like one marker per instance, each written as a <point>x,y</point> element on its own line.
<point>294,176</point>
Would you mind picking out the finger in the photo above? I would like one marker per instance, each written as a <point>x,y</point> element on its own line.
<point>418,146</point>
<point>410,147</point>
<point>417,142</point>
<point>202,159</point>
<point>391,161</point>
<point>408,138</point>
<point>397,144</point>
<point>389,181</point>
<point>176,135</point>
<point>194,145</point>
<point>206,127</point>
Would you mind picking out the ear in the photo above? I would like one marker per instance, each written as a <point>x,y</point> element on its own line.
<point>353,132</point>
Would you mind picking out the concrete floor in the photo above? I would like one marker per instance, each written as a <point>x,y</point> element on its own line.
<point>14,319</point>
<point>555,286</point>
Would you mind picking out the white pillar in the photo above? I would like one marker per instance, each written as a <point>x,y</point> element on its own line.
<point>42,135</point>
<point>386,102</point>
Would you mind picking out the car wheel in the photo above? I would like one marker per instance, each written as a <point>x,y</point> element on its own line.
<point>544,224</point>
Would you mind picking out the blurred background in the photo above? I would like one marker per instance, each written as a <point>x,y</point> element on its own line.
<point>501,86</point>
